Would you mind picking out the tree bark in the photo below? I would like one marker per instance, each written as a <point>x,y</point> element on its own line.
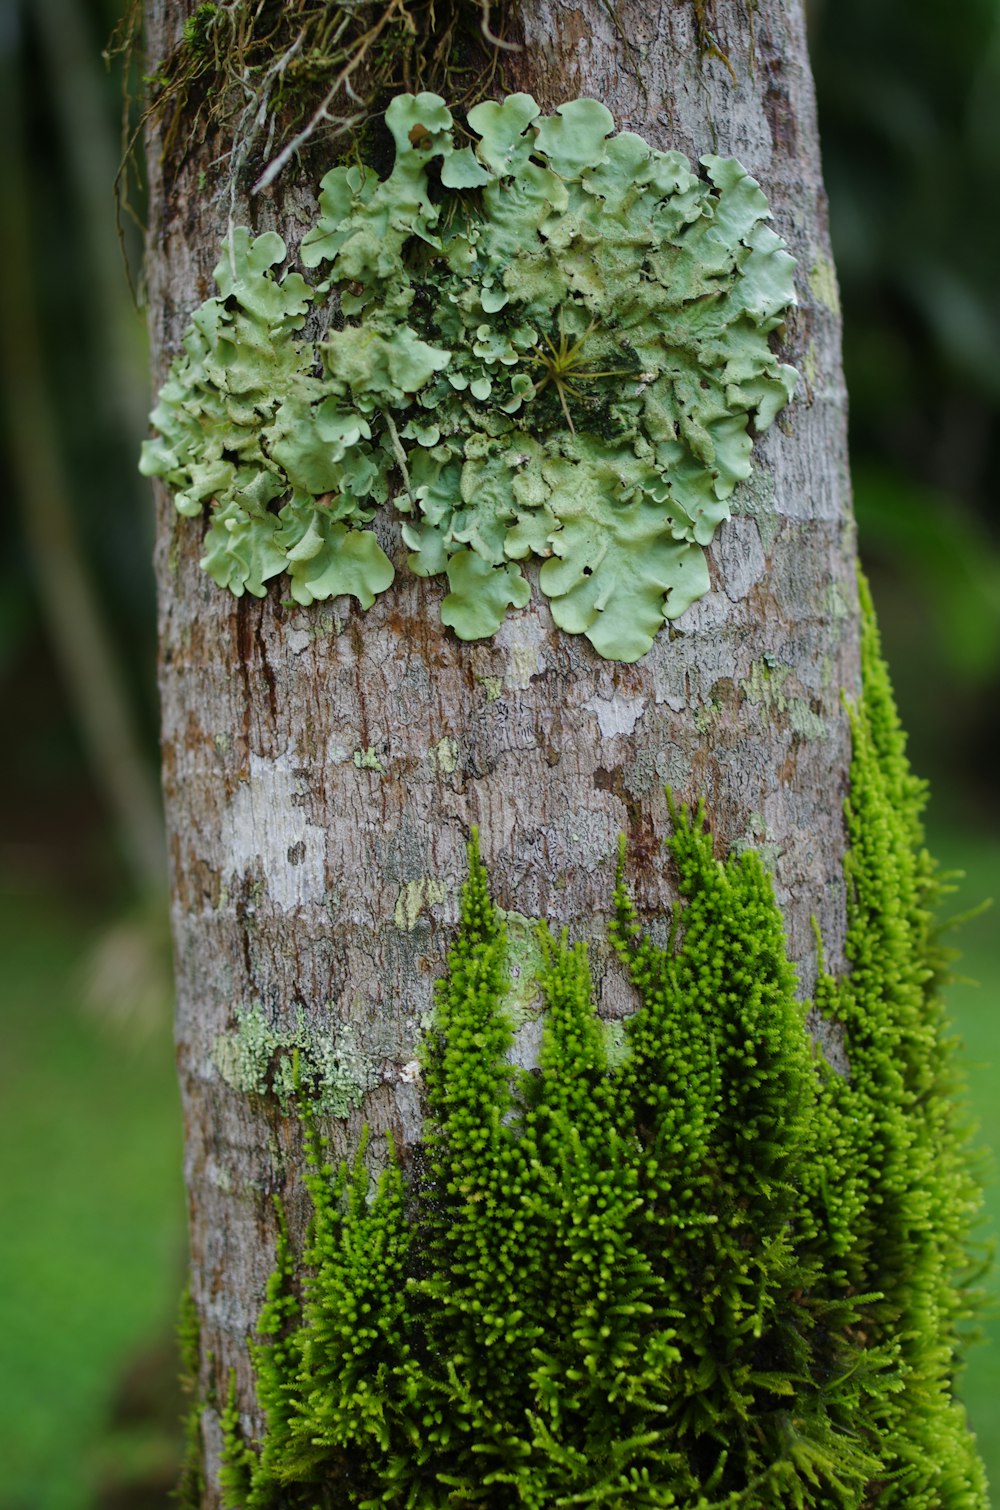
<point>323,767</point>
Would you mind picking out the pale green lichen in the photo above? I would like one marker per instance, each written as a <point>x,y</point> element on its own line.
<point>765,684</point>
<point>836,604</point>
<point>446,755</point>
<point>550,343</point>
<point>292,1060</point>
<point>766,687</point>
<point>707,715</point>
<point>805,721</point>
<point>615,1043</point>
<point>760,839</point>
<point>367,760</point>
<point>810,366</point>
<point>414,897</point>
<point>524,960</point>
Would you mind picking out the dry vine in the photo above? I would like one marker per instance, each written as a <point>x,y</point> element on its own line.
<point>279,76</point>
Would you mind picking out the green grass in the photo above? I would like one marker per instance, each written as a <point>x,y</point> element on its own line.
<point>91,1210</point>
<point>91,1217</point>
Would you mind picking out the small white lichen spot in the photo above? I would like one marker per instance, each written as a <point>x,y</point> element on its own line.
<point>526,1049</point>
<point>410,1073</point>
<point>616,714</point>
<point>265,826</point>
<point>298,640</point>
<point>522,641</point>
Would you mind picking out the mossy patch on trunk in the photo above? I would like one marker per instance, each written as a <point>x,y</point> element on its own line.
<point>715,1273</point>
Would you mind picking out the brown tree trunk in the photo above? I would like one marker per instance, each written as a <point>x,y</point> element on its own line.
<point>323,767</point>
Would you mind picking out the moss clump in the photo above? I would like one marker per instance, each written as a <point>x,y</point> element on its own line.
<point>716,1276</point>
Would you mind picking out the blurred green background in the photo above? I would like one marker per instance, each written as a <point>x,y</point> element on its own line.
<point>91,1205</point>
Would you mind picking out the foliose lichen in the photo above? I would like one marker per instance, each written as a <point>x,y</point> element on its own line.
<point>707,1271</point>
<point>549,343</point>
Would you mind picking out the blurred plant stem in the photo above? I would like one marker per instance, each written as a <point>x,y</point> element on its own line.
<point>90,148</point>
<point>90,665</point>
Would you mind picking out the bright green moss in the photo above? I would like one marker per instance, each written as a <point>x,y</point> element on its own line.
<point>714,1274</point>
<point>549,344</point>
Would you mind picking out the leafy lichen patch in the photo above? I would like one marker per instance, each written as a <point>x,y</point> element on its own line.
<point>293,1060</point>
<point>548,344</point>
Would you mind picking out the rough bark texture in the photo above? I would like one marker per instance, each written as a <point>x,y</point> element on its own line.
<point>301,876</point>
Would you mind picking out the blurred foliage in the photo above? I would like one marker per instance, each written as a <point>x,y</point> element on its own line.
<point>909,105</point>
<point>91,1210</point>
<point>73,401</point>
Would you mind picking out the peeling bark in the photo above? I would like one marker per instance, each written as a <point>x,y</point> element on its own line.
<point>322,767</point>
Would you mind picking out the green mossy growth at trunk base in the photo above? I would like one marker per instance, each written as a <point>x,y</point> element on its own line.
<point>717,1275</point>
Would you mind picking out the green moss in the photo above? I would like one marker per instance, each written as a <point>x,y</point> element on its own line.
<point>479,363</point>
<point>196,35</point>
<point>705,1271</point>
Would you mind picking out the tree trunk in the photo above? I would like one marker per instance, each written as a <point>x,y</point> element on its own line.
<point>323,767</point>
